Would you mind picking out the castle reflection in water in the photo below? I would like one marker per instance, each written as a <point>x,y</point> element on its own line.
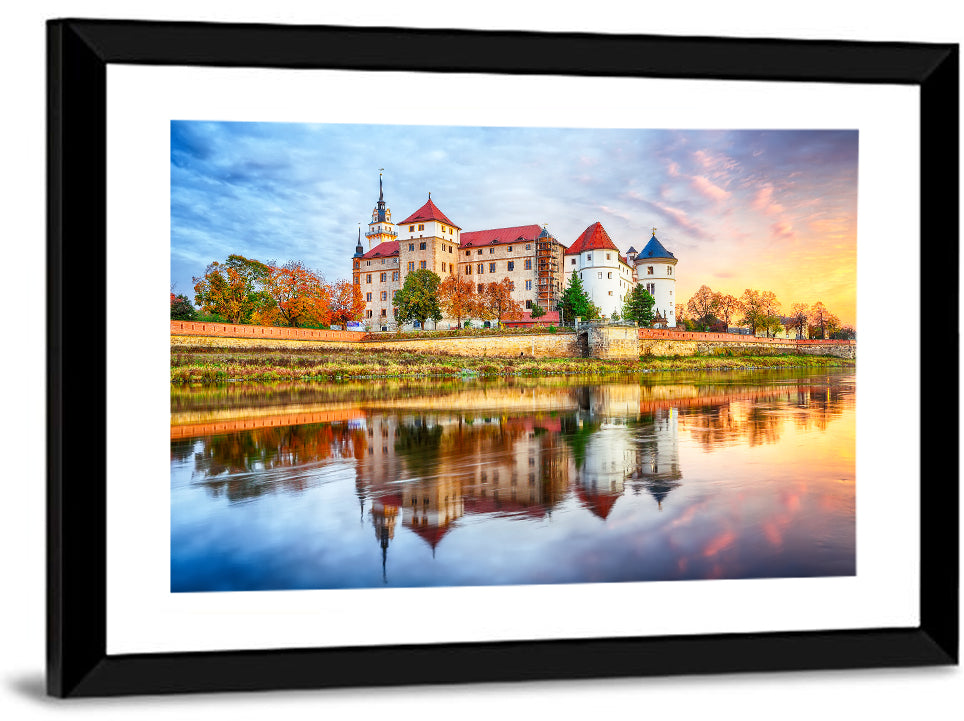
<point>509,451</point>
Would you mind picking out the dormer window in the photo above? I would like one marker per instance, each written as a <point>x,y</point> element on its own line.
<point>649,270</point>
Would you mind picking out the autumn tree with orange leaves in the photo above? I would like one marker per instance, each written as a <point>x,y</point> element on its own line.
<point>347,303</point>
<point>496,302</point>
<point>457,298</point>
<point>234,289</point>
<point>301,297</point>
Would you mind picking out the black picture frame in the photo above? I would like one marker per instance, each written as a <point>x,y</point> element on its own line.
<point>79,52</point>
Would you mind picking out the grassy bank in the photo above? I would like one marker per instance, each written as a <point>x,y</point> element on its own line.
<point>202,367</point>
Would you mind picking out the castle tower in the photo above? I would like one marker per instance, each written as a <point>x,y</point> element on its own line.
<point>428,240</point>
<point>381,229</point>
<point>656,271</point>
<point>606,276</point>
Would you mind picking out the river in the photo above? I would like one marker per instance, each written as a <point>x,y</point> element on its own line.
<point>471,482</point>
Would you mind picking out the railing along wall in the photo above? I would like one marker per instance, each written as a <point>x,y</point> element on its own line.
<point>230,330</point>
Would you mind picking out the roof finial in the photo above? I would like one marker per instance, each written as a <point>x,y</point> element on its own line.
<point>654,232</point>
<point>380,195</point>
<point>430,195</point>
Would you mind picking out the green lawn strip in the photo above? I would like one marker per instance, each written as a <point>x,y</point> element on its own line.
<point>219,367</point>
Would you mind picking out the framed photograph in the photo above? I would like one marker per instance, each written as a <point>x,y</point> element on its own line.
<point>494,356</point>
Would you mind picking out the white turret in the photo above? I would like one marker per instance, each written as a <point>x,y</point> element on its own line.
<point>656,272</point>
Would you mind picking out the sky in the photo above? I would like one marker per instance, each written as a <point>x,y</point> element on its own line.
<point>760,209</point>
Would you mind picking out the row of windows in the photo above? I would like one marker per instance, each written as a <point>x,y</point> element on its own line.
<point>383,277</point>
<point>492,250</point>
<point>394,261</point>
<point>510,266</point>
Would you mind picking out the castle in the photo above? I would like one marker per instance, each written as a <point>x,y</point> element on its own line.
<point>537,264</point>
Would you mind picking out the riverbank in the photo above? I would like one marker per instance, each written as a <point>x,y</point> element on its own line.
<point>219,366</point>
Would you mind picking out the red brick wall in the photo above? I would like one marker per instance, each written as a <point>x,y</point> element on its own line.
<point>189,327</point>
<point>660,334</point>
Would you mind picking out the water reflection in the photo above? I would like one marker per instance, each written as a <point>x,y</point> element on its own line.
<point>526,481</point>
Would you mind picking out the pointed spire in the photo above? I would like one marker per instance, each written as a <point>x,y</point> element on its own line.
<point>381,196</point>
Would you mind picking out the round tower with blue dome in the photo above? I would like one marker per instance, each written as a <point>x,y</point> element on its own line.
<point>656,272</point>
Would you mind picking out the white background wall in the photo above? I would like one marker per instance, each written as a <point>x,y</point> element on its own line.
<point>897,694</point>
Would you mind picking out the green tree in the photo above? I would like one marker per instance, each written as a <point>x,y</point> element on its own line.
<point>638,306</point>
<point>536,311</point>
<point>418,299</point>
<point>574,301</point>
<point>181,308</point>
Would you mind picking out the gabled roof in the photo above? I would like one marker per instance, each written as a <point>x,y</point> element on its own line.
<point>429,211</point>
<point>655,249</point>
<point>515,234</point>
<point>383,250</point>
<point>594,237</point>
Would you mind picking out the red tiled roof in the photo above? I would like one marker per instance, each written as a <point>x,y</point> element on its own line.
<point>429,211</point>
<point>383,250</point>
<point>429,533</point>
<point>594,237</point>
<point>475,238</point>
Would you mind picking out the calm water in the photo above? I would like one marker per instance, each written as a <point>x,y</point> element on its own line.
<point>717,475</point>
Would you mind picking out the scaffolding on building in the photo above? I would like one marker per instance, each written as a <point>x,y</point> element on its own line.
<point>548,260</point>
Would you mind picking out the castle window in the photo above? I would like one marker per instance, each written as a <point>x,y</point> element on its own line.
<point>368,262</point>
<point>669,270</point>
<point>422,265</point>
<point>510,248</point>
<point>368,297</point>
<point>384,277</point>
<point>480,251</point>
<point>450,249</point>
<point>357,280</point>
<point>421,226</point>
<point>528,246</point>
<point>528,263</point>
<point>411,265</point>
<point>468,253</point>
<point>511,265</point>
<point>468,270</point>
<point>421,246</point>
<point>610,292</point>
<point>671,292</point>
<point>481,268</point>
<point>369,314</point>
<point>649,270</point>
<point>411,229</point>
<point>384,295</point>
<point>528,303</point>
<point>491,267</point>
<point>368,278</point>
<point>573,262</point>
<point>608,256</point>
<point>395,275</point>
<point>609,275</point>
<point>383,313</point>
<point>528,286</point>
<point>491,251</point>
<point>411,246</point>
<point>599,275</point>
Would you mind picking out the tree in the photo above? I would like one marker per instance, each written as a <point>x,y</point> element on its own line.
<point>753,312</point>
<point>574,301</point>
<point>702,305</point>
<point>845,333</point>
<point>638,306</point>
<point>346,302</point>
<point>418,298</point>
<point>727,306</point>
<point>797,320</point>
<point>301,296</point>
<point>536,311</point>
<point>771,308</point>
<point>457,298</point>
<point>497,298</point>
<point>822,321</point>
<point>181,308</point>
<point>234,289</point>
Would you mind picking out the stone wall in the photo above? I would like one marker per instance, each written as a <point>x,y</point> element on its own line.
<point>620,342</point>
<point>556,345</point>
<point>231,330</point>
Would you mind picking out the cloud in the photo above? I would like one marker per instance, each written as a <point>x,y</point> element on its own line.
<point>764,201</point>
<point>708,189</point>
<point>782,230</point>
